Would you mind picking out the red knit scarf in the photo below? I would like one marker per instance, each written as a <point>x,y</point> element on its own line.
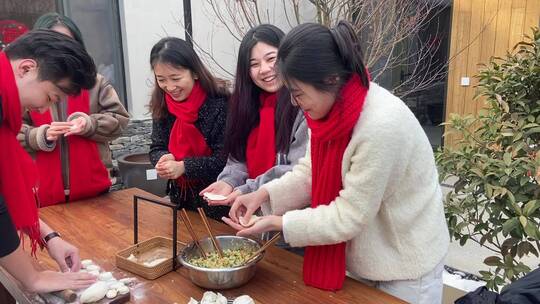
<point>88,176</point>
<point>185,139</point>
<point>17,169</point>
<point>261,143</point>
<point>324,266</point>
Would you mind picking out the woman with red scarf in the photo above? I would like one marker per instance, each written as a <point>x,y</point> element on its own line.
<point>33,74</point>
<point>266,135</point>
<point>188,109</point>
<point>369,177</point>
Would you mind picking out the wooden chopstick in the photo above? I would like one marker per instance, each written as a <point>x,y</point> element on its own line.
<point>264,247</point>
<point>187,222</point>
<point>207,225</point>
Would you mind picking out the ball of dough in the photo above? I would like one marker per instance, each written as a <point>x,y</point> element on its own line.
<point>123,290</point>
<point>111,294</point>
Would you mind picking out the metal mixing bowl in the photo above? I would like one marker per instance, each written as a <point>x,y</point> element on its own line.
<point>220,278</point>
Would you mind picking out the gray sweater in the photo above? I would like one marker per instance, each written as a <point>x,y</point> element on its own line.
<point>236,174</point>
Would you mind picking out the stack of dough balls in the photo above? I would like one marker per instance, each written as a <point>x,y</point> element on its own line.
<point>106,286</point>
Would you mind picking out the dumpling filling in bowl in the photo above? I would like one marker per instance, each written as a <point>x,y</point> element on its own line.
<point>231,258</point>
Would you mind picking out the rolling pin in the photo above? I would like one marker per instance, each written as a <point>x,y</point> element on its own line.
<point>67,295</point>
<point>51,299</point>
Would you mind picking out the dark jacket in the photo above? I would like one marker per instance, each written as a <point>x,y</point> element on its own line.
<point>211,124</point>
<point>525,290</point>
<point>10,239</point>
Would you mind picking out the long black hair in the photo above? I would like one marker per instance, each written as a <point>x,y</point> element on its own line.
<point>314,54</point>
<point>178,53</point>
<point>244,105</point>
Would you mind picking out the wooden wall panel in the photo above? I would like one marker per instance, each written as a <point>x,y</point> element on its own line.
<point>482,29</point>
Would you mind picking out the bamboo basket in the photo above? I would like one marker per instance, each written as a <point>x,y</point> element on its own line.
<point>150,273</point>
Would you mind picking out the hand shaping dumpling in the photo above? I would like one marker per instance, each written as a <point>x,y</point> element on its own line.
<point>251,222</point>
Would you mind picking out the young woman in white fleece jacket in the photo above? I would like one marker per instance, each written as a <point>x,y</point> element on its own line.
<point>369,176</point>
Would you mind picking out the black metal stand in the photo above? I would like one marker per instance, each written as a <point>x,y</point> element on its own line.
<point>164,203</point>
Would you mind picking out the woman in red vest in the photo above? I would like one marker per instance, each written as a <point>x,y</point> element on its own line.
<point>70,142</point>
<point>189,109</point>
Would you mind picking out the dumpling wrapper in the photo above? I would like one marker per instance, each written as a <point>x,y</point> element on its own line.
<point>214,197</point>
<point>251,222</point>
<point>154,262</point>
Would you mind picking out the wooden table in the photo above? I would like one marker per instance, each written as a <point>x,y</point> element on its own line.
<point>102,226</point>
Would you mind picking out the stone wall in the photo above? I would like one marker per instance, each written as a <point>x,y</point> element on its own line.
<point>136,138</point>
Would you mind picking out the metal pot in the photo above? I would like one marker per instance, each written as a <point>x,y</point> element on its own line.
<point>220,278</point>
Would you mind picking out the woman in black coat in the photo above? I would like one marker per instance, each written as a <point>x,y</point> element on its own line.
<point>189,112</point>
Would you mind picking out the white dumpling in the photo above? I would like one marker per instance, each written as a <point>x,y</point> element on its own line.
<point>193,301</point>
<point>251,222</point>
<point>86,263</point>
<point>220,299</point>
<point>209,297</point>
<point>94,293</point>
<point>94,273</point>
<point>245,299</point>
<point>92,267</point>
<point>123,290</point>
<point>105,276</point>
<point>117,285</point>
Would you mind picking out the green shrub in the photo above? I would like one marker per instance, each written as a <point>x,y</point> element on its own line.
<point>496,199</point>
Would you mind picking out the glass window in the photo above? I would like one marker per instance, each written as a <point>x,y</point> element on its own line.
<point>99,22</point>
<point>18,16</point>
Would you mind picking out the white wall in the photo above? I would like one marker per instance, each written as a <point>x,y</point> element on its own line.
<point>143,24</point>
<point>218,47</point>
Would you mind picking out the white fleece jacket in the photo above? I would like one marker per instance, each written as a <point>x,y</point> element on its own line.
<point>390,210</point>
